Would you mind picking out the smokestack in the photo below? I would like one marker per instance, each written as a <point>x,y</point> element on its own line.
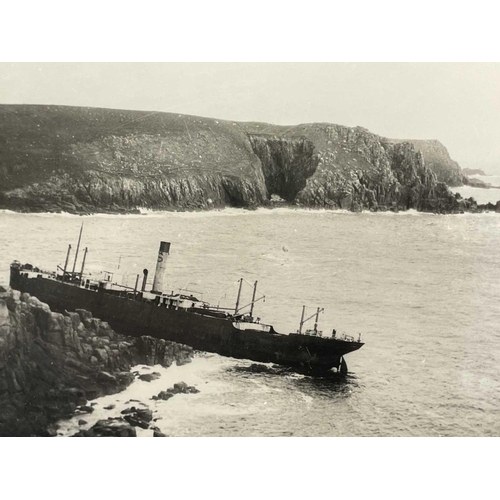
<point>144,279</point>
<point>161,267</point>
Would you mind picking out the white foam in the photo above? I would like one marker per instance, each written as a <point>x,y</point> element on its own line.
<point>196,373</point>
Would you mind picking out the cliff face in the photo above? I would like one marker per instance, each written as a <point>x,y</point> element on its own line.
<point>287,163</point>
<point>348,168</point>
<point>51,363</point>
<point>55,158</point>
<point>439,161</point>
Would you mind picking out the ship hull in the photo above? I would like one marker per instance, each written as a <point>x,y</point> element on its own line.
<point>217,335</point>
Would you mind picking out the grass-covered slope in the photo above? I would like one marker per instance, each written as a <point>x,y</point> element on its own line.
<point>56,158</point>
<point>100,158</point>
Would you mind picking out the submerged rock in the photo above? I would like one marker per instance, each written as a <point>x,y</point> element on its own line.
<point>178,388</point>
<point>163,396</point>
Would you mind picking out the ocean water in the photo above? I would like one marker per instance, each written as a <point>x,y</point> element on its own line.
<point>481,195</point>
<point>494,180</point>
<point>423,291</point>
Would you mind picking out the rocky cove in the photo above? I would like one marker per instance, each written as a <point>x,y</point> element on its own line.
<point>52,365</point>
<point>90,160</point>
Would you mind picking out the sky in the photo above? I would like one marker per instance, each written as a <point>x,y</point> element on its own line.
<point>455,103</point>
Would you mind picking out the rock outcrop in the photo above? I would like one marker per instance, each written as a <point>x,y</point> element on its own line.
<point>178,388</point>
<point>439,161</point>
<point>109,428</point>
<point>473,171</point>
<point>83,160</point>
<point>52,363</point>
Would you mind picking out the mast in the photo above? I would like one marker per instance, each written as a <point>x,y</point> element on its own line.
<point>136,284</point>
<point>238,298</point>
<point>253,297</point>
<point>77,249</point>
<point>316,315</point>
<point>302,318</point>
<point>316,320</point>
<point>66,262</point>
<point>83,263</point>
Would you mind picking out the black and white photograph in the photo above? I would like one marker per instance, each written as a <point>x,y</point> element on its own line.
<point>260,250</point>
<point>191,275</point>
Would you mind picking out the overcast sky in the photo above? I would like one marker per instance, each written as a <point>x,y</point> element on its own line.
<point>456,103</point>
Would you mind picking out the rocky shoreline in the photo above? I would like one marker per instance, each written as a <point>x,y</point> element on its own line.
<point>457,206</point>
<point>130,420</point>
<point>52,364</point>
<point>88,160</point>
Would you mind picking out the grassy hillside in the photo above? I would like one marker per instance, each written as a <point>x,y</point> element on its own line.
<point>89,159</point>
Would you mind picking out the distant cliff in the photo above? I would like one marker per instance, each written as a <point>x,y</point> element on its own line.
<point>473,171</point>
<point>439,161</point>
<point>83,160</point>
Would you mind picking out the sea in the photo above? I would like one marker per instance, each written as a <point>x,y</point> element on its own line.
<point>422,291</point>
<point>482,195</point>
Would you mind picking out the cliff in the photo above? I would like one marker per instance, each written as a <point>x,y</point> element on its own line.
<point>473,171</point>
<point>439,161</point>
<point>349,168</point>
<point>51,364</point>
<point>82,160</point>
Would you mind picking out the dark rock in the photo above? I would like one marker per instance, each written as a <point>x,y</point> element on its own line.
<point>84,315</point>
<point>180,387</point>
<point>84,409</point>
<point>164,396</point>
<point>110,407</point>
<point>183,388</point>
<point>109,428</point>
<point>48,369</point>
<point>256,368</point>
<point>106,377</point>
<point>134,420</point>
<point>149,377</point>
<point>145,414</point>
<point>478,183</point>
<point>52,430</point>
<point>128,411</point>
<point>157,434</point>
<point>138,416</point>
